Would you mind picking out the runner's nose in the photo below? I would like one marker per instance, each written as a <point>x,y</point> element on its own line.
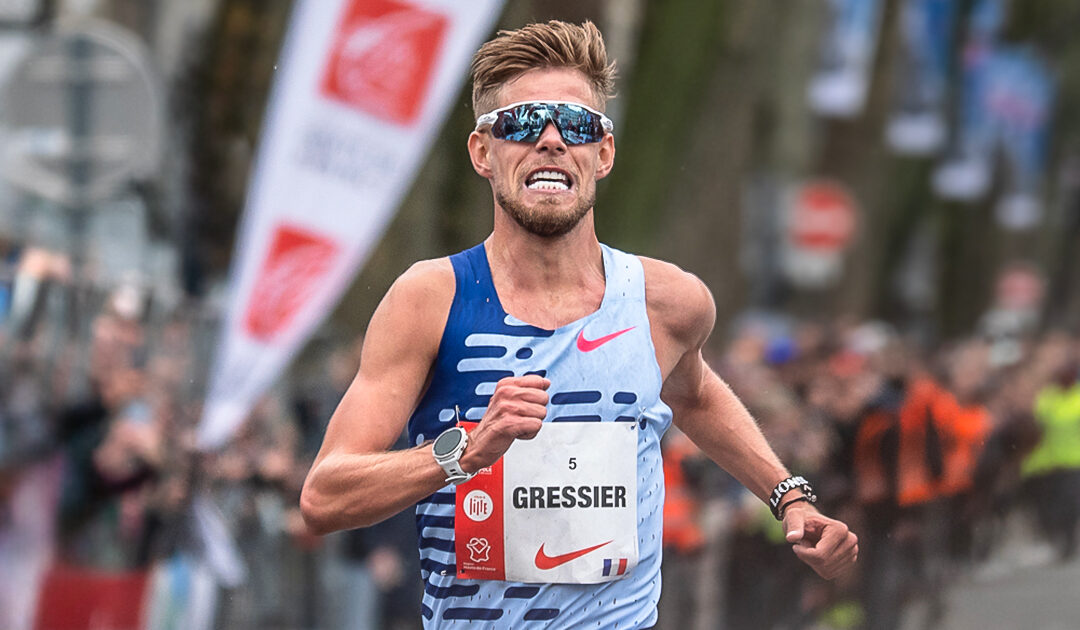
<point>550,139</point>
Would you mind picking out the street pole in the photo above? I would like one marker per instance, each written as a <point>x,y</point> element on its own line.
<point>79,110</point>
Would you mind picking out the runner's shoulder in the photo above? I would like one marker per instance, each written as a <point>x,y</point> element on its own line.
<point>407,326</point>
<point>426,283</point>
<point>421,295</point>
<point>678,301</point>
<point>434,275</point>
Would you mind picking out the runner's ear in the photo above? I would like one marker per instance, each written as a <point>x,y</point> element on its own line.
<point>479,154</point>
<point>607,156</point>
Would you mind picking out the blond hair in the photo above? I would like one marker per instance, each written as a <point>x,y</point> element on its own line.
<point>552,45</point>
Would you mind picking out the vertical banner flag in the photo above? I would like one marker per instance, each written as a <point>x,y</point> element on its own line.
<point>362,88</point>
<point>840,85</point>
<point>917,123</point>
<point>1020,99</point>
<point>964,175</point>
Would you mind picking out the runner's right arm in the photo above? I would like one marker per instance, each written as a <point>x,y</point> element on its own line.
<point>356,480</point>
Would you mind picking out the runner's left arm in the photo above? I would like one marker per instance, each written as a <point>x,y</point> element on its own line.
<point>704,407</point>
<point>682,314</point>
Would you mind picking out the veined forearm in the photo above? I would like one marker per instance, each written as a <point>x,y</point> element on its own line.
<point>725,431</point>
<point>346,491</point>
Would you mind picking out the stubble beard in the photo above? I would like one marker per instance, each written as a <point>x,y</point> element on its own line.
<point>546,224</point>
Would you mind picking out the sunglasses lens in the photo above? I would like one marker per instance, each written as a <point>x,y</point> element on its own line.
<point>519,124</point>
<point>525,123</point>
<point>578,125</point>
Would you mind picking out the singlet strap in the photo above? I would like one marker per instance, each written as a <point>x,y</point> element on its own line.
<point>473,275</point>
<point>625,277</point>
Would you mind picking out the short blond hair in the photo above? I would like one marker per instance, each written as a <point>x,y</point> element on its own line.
<point>553,44</point>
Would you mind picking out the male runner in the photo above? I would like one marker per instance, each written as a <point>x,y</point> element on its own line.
<point>574,358</point>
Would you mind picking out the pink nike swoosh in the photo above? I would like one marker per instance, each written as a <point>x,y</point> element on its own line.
<point>588,345</point>
<point>545,562</point>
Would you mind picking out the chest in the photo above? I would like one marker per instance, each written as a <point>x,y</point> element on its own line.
<point>551,309</point>
<point>602,368</point>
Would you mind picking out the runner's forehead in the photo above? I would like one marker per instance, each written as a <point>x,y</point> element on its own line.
<point>548,84</point>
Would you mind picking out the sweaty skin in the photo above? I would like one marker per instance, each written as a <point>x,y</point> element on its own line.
<point>546,281</point>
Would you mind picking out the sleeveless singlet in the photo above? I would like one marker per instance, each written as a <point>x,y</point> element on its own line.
<point>593,379</point>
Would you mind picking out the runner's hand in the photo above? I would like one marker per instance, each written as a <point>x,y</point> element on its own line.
<point>826,544</point>
<point>516,412</point>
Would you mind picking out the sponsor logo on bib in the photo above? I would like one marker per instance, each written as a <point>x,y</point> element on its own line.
<point>478,506</point>
<point>545,562</point>
<point>478,549</point>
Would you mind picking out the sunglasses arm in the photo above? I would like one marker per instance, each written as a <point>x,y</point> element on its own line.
<point>487,119</point>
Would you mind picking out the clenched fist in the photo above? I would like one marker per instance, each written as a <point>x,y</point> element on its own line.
<point>515,412</point>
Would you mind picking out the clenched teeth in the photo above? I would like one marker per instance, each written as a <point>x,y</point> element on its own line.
<point>546,185</point>
<point>548,180</point>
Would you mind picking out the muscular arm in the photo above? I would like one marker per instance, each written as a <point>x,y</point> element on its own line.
<point>715,419</point>
<point>355,480</point>
<point>682,314</point>
<point>703,405</point>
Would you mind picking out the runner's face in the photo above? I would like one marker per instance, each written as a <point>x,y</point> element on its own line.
<point>544,210</point>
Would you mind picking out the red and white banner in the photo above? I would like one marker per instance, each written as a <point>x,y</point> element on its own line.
<point>362,88</point>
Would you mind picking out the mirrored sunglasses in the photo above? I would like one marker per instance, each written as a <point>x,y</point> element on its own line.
<point>524,122</point>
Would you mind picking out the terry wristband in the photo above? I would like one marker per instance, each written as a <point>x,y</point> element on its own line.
<point>786,486</point>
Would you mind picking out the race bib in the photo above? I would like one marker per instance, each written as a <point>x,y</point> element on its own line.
<point>560,508</point>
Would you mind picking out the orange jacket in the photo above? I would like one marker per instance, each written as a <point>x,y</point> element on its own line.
<point>681,507</point>
<point>873,481</point>
<point>967,429</point>
<point>919,461</point>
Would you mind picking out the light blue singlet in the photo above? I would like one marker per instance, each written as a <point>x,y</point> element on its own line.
<point>614,381</point>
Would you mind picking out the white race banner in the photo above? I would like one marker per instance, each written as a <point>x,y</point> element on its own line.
<point>362,88</point>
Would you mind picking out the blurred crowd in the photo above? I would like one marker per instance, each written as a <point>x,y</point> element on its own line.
<point>109,512</point>
<point>937,457</point>
<point>930,454</point>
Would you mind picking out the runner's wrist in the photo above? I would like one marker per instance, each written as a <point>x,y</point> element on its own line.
<point>793,489</point>
<point>791,496</point>
<point>472,460</point>
<point>796,492</point>
<point>467,463</point>
<point>801,502</point>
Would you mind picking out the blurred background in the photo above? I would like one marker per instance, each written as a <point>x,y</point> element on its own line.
<point>202,202</point>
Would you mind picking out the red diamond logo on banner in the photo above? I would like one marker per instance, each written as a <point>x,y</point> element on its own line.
<point>382,58</point>
<point>295,264</point>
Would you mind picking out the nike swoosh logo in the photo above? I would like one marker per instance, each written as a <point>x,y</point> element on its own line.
<point>588,345</point>
<point>545,562</point>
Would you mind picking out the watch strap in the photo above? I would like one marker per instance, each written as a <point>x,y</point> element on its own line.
<point>455,474</point>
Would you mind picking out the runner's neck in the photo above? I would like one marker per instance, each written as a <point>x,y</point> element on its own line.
<point>547,282</point>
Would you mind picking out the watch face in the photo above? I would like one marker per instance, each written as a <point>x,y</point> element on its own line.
<point>447,442</point>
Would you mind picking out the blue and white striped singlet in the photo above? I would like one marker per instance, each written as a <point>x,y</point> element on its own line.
<point>614,381</point>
